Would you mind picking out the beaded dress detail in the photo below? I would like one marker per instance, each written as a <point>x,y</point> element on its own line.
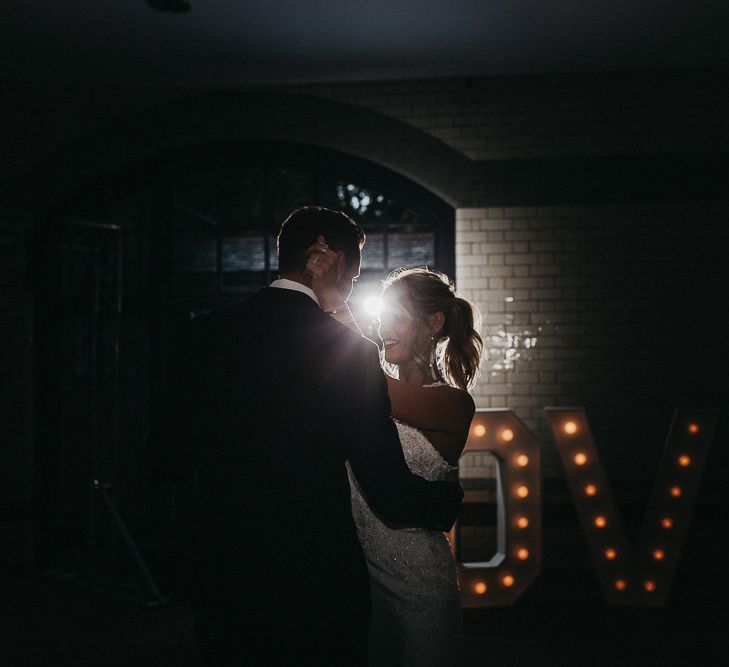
<point>416,613</point>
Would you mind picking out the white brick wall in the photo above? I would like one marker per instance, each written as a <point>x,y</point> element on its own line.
<point>564,291</point>
<point>569,114</point>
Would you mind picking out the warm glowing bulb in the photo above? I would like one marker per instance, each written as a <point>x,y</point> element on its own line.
<point>522,554</point>
<point>522,491</point>
<point>676,491</point>
<point>611,554</point>
<point>620,584</point>
<point>580,458</point>
<point>667,522</point>
<point>522,460</point>
<point>600,521</point>
<point>650,586</point>
<point>507,435</point>
<point>479,430</point>
<point>570,428</point>
<point>507,580</point>
<point>684,461</point>
<point>590,490</point>
<point>693,428</point>
<point>659,554</point>
<point>522,522</point>
<point>480,587</point>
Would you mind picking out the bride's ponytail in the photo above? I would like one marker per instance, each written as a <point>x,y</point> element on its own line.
<point>464,345</point>
<point>458,345</point>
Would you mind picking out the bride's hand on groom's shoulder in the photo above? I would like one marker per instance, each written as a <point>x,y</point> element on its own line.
<point>326,267</point>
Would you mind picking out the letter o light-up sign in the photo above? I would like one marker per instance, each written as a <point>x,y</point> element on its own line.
<point>518,557</point>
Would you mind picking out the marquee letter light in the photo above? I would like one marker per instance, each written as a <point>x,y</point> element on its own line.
<point>646,578</point>
<point>518,557</point>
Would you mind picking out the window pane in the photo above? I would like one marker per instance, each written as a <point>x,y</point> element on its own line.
<point>373,255</point>
<point>243,193</point>
<point>410,250</point>
<point>244,253</point>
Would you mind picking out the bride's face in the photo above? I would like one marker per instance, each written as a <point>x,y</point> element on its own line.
<point>399,331</point>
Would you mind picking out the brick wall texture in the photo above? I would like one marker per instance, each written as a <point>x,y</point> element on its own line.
<point>614,308</point>
<point>544,116</point>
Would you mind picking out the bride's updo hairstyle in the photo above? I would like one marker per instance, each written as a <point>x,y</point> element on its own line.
<point>457,347</point>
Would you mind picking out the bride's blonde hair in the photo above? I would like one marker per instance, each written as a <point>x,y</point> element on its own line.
<point>457,347</point>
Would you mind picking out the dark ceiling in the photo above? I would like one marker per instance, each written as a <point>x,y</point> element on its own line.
<point>221,42</point>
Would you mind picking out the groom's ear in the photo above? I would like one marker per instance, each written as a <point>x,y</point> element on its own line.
<point>341,264</point>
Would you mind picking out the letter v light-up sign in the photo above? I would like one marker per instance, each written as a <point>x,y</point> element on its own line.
<point>646,578</point>
<point>518,558</point>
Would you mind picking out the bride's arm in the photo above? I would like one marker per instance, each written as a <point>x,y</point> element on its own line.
<point>443,413</point>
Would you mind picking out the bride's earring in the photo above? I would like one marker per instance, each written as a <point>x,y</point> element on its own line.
<point>433,364</point>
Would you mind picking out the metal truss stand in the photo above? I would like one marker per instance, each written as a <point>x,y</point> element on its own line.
<point>154,596</point>
<point>92,285</point>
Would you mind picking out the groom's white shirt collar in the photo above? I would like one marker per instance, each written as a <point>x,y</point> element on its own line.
<point>285,283</point>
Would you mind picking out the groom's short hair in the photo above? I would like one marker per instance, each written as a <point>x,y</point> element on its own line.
<point>302,227</point>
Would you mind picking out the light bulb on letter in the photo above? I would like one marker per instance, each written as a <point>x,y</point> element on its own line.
<point>480,587</point>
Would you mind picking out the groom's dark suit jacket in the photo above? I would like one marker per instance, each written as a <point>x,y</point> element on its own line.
<point>280,396</point>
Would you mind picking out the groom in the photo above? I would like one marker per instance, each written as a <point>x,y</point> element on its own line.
<point>281,396</point>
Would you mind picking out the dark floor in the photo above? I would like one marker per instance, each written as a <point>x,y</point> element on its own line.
<point>560,620</point>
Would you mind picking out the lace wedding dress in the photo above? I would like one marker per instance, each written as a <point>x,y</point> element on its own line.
<point>416,612</point>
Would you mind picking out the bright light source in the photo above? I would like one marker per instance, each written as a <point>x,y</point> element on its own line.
<point>522,522</point>
<point>600,521</point>
<point>522,554</point>
<point>479,430</point>
<point>522,460</point>
<point>590,490</point>
<point>659,554</point>
<point>667,522</point>
<point>693,428</point>
<point>621,584</point>
<point>684,461</point>
<point>522,491</point>
<point>480,587</point>
<point>611,554</point>
<point>650,586</point>
<point>570,428</point>
<point>373,305</point>
<point>507,435</point>
<point>507,580</point>
<point>676,491</point>
<point>580,458</point>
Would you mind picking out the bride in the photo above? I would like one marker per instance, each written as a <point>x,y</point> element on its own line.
<point>431,357</point>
